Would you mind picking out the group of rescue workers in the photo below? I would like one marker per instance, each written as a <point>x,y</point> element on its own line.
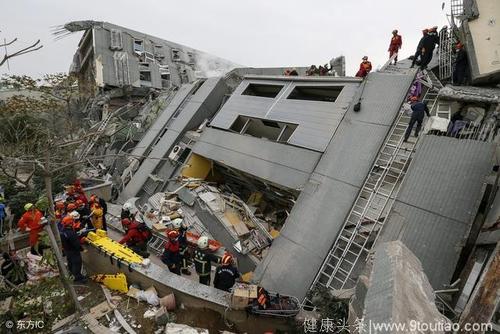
<point>75,216</point>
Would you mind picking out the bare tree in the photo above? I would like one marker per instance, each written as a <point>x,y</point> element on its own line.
<point>33,47</point>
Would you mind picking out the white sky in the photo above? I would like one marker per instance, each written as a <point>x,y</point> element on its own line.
<point>258,33</point>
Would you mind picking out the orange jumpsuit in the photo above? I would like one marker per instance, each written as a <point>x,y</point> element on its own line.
<point>31,219</point>
<point>395,45</point>
<point>364,68</point>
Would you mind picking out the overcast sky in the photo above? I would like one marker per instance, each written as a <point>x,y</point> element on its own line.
<point>258,33</point>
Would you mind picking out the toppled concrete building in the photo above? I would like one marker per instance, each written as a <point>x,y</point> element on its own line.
<point>288,173</point>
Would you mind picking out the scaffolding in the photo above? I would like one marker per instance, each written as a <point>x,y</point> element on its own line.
<point>375,199</point>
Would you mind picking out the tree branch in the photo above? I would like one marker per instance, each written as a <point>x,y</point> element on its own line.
<point>28,49</point>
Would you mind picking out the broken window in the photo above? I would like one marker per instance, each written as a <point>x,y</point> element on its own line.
<point>116,40</point>
<point>315,93</point>
<point>138,46</point>
<point>176,56</point>
<point>145,75</point>
<point>262,90</point>
<point>263,128</point>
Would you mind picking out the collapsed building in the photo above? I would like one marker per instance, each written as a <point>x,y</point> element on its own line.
<point>303,177</point>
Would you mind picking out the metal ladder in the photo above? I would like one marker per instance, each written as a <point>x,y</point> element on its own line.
<point>366,218</point>
<point>446,56</point>
<point>157,243</point>
<point>97,135</point>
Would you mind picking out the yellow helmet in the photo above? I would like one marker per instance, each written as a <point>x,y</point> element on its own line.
<point>28,206</point>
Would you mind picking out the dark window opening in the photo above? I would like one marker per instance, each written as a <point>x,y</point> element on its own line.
<point>260,128</point>
<point>184,155</point>
<point>315,93</point>
<point>145,75</point>
<point>262,90</point>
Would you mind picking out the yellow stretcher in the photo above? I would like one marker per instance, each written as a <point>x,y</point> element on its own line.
<point>100,240</point>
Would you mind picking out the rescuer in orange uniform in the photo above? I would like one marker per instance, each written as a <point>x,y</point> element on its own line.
<point>31,222</point>
<point>395,45</point>
<point>364,68</point>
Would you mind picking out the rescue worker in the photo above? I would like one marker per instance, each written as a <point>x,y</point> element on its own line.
<point>77,224</point>
<point>72,248</point>
<point>70,194</point>
<point>418,52</point>
<point>84,213</point>
<point>461,62</point>
<point>364,68</point>
<point>59,210</point>
<point>79,193</point>
<point>419,110</point>
<point>31,222</point>
<point>96,215</point>
<point>135,238</point>
<point>3,214</point>
<point>171,255</point>
<point>179,226</point>
<point>428,45</point>
<point>96,199</point>
<point>226,274</point>
<point>395,45</point>
<point>203,261</point>
<point>127,212</point>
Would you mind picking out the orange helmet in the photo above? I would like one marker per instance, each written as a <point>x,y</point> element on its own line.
<point>79,202</point>
<point>173,234</point>
<point>227,259</point>
<point>71,207</point>
<point>414,98</point>
<point>67,221</point>
<point>59,205</point>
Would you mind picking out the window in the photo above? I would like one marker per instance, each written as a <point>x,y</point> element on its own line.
<point>263,128</point>
<point>138,46</point>
<point>176,56</point>
<point>315,93</point>
<point>145,76</point>
<point>262,90</point>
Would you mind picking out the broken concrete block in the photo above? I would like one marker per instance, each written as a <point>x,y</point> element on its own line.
<point>400,293</point>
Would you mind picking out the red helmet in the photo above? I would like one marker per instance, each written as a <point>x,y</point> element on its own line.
<point>227,259</point>
<point>173,234</point>
<point>71,207</point>
<point>79,202</point>
<point>67,220</point>
<point>59,205</point>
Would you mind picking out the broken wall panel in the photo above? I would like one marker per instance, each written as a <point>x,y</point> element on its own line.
<point>327,198</point>
<point>283,165</point>
<point>438,202</point>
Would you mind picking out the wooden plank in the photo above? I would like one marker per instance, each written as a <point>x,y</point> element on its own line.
<point>100,310</point>
<point>485,297</point>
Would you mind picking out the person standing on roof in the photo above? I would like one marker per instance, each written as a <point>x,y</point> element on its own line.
<point>461,63</point>
<point>364,68</point>
<point>171,255</point>
<point>203,261</point>
<point>419,110</point>
<point>226,274</point>
<point>31,222</point>
<point>71,245</point>
<point>428,45</point>
<point>418,52</point>
<point>395,45</point>
<point>179,226</point>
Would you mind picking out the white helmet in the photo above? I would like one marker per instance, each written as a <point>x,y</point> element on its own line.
<point>177,223</point>
<point>127,206</point>
<point>75,215</point>
<point>203,242</point>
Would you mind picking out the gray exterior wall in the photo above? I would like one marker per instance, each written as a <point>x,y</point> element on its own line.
<point>317,121</point>
<point>438,202</point>
<point>306,238</point>
<point>201,65</point>
<point>280,164</point>
<point>203,104</point>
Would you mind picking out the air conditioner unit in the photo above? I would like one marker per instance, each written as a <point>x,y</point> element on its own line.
<point>176,152</point>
